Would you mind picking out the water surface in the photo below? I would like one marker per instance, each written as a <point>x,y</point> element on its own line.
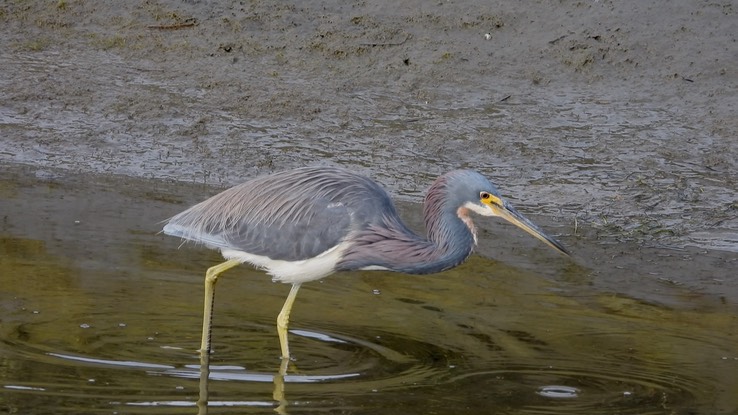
<point>101,314</point>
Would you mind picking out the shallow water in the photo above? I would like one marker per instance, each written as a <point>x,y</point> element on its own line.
<point>102,315</point>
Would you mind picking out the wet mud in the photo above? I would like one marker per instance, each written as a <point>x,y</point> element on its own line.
<point>621,117</point>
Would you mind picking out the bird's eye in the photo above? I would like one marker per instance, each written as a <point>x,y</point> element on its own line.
<point>485,195</point>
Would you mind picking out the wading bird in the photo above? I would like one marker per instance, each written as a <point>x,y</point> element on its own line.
<point>304,224</point>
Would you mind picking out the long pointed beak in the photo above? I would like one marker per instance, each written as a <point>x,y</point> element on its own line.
<point>507,212</point>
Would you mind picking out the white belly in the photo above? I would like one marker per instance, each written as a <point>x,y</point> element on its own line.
<point>292,272</point>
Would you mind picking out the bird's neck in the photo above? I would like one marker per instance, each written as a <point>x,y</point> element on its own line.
<point>447,248</point>
<point>391,245</point>
<point>450,229</point>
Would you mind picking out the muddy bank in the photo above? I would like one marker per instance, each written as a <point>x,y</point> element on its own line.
<point>598,114</point>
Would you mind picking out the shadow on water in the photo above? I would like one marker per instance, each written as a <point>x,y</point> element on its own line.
<point>101,314</point>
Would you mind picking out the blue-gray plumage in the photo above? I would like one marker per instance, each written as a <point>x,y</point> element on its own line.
<point>304,224</point>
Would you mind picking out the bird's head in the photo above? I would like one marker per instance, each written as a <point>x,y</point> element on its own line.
<point>469,190</point>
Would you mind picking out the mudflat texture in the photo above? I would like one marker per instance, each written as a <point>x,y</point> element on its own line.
<point>619,116</point>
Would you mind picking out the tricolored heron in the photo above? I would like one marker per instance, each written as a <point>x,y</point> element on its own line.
<point>304,224</point>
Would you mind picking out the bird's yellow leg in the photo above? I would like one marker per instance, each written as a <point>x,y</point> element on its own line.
<point>283,320</point>
<point>211,277</point>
